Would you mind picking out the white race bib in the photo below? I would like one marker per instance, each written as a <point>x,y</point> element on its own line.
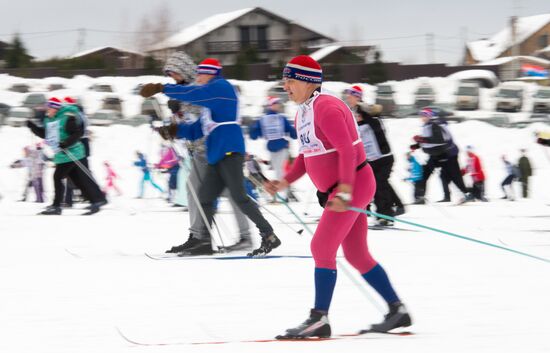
<point>310,144</point>
<point>209,125</point>
<point>273,127</point>
<point>52,135</point>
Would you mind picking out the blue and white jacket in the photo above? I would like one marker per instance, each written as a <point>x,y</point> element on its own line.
<point>273,127</point>
<point>415,168</point>
<point>221,127</point>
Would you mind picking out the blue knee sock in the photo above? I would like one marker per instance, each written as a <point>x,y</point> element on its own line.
<point>379,280</point>
<point>325,281</point>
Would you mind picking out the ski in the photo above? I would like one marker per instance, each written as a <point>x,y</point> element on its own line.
<point>391,228</point>
<point>365,334</point>
<point>222,257</point>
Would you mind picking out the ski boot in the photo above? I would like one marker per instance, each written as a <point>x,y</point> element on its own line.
<point>191,241</point>
<point>384,223</point>
<point>269,242</point>
<point>200,247</point>
<point>51,211</point>
<point>399,210</point>
<point>397,317</point>
<point>316,326</point>
<point>244,243</point>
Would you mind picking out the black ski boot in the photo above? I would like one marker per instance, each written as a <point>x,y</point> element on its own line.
<point>316,325</point>
<point>191,241</point>
<point>397,317</point>
<point>201,247</point>
<point>51,211</point>
<point>244,243</point>
<point>399,210</point>
<point>269,243</point>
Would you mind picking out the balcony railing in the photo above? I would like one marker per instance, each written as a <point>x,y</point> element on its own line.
<point>235,46</point>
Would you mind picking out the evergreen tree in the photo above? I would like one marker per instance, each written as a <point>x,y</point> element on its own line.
<point>16,55</point>
<point>377,71</point>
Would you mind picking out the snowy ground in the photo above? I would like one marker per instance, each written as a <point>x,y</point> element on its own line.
<point>67,282</point>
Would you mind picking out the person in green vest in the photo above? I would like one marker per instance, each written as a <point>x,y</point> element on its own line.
<point>62,132</point>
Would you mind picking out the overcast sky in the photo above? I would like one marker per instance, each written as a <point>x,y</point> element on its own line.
<point>370,21</point>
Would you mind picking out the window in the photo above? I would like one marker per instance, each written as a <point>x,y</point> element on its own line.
<point>262,37</point>
<point>543,41</point>
<point>245,36</point>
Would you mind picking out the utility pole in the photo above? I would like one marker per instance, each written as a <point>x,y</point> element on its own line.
<point>81,39</point>
<point>464,42</point>
<point>430,55</point>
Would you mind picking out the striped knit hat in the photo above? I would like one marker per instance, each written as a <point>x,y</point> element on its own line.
<point>54,103</point>
<point>209,66</point>
<point>355,91</point>
<point>273,100</point>
<point>429,113</point>
<point>69,100</point>
<point>303,68</point>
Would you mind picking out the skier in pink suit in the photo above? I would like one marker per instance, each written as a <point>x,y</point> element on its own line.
<point>169,161</point>
<point>110,179</point>
<point>332,154</point>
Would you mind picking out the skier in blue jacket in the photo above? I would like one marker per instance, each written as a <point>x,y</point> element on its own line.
<point>224,148</point>
<point>274,127</point>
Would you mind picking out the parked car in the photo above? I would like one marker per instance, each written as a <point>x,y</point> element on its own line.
<point>424,96</point>
<point>56,86</point>
<point>446,114</point>
<point>541,100</point>
<point>112,103</point>
<point>151,107</point>
<point>467,96</point>
<point>509,98</point>
<point>535,118</point>
<point>101,87</point>
<point>137,88</point>
<point>498,120</point>
<point>104,117</point>
<point>137,120</point>
<point>35,100</point>
<point>384,97</point>
<point>18,116</point>
<point>4,109</point>
<point>279,92</point>
<point>20,88</point>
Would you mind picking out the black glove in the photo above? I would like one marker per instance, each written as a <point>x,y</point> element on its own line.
<point>150,89</point>
<point>168,132</point>
<point>30,124</point>
<point>174,105</point>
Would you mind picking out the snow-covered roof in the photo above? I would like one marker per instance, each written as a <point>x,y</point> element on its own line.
<point>544,50</point>
<point>200,29</point>
<point>324,52</point>
<point>93,50</point>
<point>507,59</point>
<point>488,49</point>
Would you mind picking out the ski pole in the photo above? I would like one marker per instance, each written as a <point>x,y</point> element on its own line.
<point>195,197</point>
<point>300,231</point>
<point>444,232</point>
<point>359,284</point>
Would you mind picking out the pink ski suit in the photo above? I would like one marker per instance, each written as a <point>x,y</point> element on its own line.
<point>330,152</point>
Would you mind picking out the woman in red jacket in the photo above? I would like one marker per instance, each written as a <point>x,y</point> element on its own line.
<point>475,170</point>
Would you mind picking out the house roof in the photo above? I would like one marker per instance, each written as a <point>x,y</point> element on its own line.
<point>507,59</point>
<point>209,24</point>
<point>544,50</point>
<point>200,29</point>
<point>488,49</point>
<point>93,50</point>
<point>322,53</point>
